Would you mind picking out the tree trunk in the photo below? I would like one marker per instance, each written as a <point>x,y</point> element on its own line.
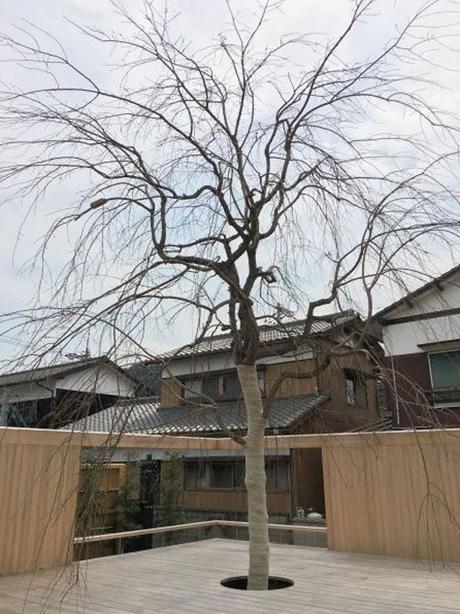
<point>255,480</point>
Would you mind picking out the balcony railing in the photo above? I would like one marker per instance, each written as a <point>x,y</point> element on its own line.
<point>444,396</point>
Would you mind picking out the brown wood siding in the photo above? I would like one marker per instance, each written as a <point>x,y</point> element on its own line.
<point>291,387</point>
<point>336,414</point>
<point>407,380</point>
<point>171,392</point>
<point>107,481</point>
<point>224,500</point>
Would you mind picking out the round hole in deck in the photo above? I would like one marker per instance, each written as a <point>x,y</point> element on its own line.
<point>241,583</point>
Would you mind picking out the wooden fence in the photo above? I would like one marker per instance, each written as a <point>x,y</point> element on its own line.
<point>392,493</point>
<point>38,495</point>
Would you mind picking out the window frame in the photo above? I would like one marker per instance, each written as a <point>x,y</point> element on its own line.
<point>358,378</point>
<point>276,463</point>
<point>433,388</point>
<point>221,388</point>
<point>236,464</point>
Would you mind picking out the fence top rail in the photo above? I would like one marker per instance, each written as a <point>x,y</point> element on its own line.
<point>193,525</point>
<point>26,436</point>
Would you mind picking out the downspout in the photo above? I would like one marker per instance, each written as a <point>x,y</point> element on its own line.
<point>393,372</point>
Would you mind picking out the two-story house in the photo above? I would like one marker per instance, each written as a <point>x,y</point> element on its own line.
<point>52,396</point>
<point>341,397</point>
<point>421,337</point>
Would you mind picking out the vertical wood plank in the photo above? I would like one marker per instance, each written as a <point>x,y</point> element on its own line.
<point>38,490</point>
<point>397,500</point>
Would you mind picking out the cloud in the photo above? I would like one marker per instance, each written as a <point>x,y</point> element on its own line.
<point>202,21</point>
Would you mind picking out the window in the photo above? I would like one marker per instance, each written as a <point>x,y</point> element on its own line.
<point>195,476</point>
<point>277,475</point>
<point>445,376</point>
<point>210,386</point>
<point>350,390</point>
<point>221,387</point>
<point>221,475</point>
<point>218,474</point>
<point>22,413</point>
<point>201,386</point>
<point>192,388</point>
<point>231,387</point>
<point>228,474</point>
<point>355,388</point>
<point>238,475</point>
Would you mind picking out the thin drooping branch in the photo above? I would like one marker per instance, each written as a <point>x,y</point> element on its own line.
<point>230,184</point>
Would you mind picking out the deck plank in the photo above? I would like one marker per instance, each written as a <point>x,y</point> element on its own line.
<point>185,579</point>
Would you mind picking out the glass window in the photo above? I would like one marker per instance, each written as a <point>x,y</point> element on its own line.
<point>238,477</point>
<point>195,476</point>
<point>202,386</point>
<point>222,475</point>
<point>192,388</point>
<point>445,369</point>
<point>277,475</point>
<point>223,386</point>
<point>190,476</point>
<point>210,387</point>
<point>23,413</point>
<point>231,388</point>
<point>355,388</point>
<point>350,391</point>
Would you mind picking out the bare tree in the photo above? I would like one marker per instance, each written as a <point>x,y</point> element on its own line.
<point>217,180</point>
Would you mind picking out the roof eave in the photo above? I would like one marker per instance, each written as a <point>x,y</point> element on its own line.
<point>419,291</point>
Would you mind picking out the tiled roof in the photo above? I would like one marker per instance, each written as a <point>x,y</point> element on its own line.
<point>60,370</point>
<point>50,372</point>
<point>268,334</point>
<point>146,416</point>
<point>122,417</point>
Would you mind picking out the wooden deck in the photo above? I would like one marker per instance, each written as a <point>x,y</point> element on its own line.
<point>185,579</point>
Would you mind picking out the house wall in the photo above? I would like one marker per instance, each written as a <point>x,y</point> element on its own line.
<point>73,390</point>
<point>26,392</point>
<point>100,380</point>
<point>221,361</point>
<point>408,336</point>
<point>171,392</point>
<point>336,414</point>
<point>291,387</point>
<point>106,481</point>
<point>234,500</point>
<point>408,386</point>
<point>333,415</point>
<point>215,500</point>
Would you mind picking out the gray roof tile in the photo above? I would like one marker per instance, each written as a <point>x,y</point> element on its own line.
<point>57,371</point>
<point>146,416</point>
<point>268,334</point>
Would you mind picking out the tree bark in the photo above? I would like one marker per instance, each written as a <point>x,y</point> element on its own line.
<point>255,479</point>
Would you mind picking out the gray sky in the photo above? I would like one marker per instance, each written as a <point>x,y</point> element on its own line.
<point>203,20</point>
